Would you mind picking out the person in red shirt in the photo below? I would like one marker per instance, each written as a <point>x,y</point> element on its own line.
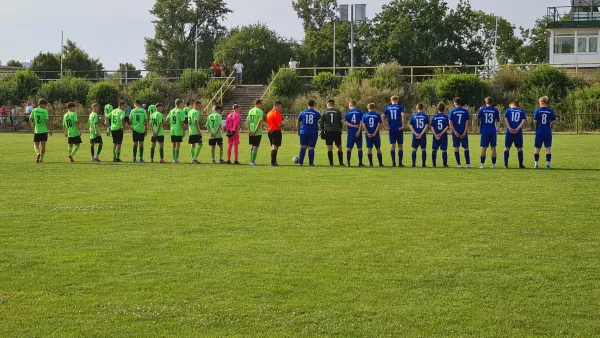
<point>274,124</point>
<point>4,112</point>
<point>216,67</point>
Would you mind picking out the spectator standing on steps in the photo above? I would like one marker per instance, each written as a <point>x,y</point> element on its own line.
<point>239,71</point>
<point>216,68</point>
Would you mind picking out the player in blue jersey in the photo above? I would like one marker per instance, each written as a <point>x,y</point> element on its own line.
<point>488,116</point>
<point>395,118</point>
<point>371,124</point>
<point>514,120</point>
<point>352,120</point>
<point>307,126</point>
<point>459,123</point>
<point>439,128</point>
<point>419,123</point>
<point>545,120</point>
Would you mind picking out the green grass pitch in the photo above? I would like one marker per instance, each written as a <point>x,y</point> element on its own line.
<point>122,250</point>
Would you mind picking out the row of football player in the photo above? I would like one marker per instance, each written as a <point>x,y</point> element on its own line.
<point>308,127</point>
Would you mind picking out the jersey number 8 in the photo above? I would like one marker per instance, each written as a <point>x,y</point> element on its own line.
<point>544,118</point>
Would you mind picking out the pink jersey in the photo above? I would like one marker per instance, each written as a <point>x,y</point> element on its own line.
<point>232,122</point>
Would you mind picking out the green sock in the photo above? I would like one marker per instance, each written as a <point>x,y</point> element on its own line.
<point>212,154</point>
<point>174,154</point>
<point>198,149</point>
<point>141,152</point>
<point>99,149</point>
<point>221,155</point>
<point>254,155</point>
<point>162,153</point>
<point>134,151</point>
<point>92,150</point>
<point>70,149</point>
<point>37,150</point>
<point>42,156</point>
<point>75,149</point>
<point>115,154</point>
<point>193,152</point>
<point>119,154</point>
<point>152,154</point>
<point>177,152</point>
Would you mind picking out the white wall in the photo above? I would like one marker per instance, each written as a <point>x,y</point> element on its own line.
<point>593,59</point>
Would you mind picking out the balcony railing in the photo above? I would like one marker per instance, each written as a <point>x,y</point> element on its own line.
<point>573,14</point>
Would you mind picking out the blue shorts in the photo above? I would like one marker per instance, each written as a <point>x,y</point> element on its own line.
<point>309,140</point>
<point>396,137</point>
<point>489,140</point>
<point>457,142</point>
<point>375,141</point>
<point>546,140</point>
<point>419,143</point>
<point>441,144</point>
<point>353,140</point>
<point>511,139</point>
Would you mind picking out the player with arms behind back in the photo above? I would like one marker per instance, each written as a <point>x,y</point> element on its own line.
<point>176,119</point>
<point>115,119</point>
<point>139,127</point>
<point>255,128</point>
<point>395,118</point>
<point>39,119</point>
<point>488,116</point>
<point>95,136</point>
<point>371,124</point>
<point>72,130</point>
<point>459,123</point>
<point>158,133</point>
<point>439,128</point>
<point>419,123</point>
<point>331,123</point>
<point>545,120</point>
<point>215,129</point>
<point>514,119</point>
<point>353,120</point>
<point>195,138</point>
<point>307,125</point>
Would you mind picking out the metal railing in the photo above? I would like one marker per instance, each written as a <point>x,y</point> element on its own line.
<point>268,90</point>
<point>573,14</point>
<point>220,94</point>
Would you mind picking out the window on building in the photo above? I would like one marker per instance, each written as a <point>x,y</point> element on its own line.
<point>587,42</point>
<point>564,44</point>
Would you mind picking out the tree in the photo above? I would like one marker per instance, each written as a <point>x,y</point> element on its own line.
<point>315,13</point>
<point>79,63</point>
<point>507,43</point>
<point>259,49</point>
<point>172,46</point>
<point>14,63</point>
<point>46,65</point>
<point>537,43</point>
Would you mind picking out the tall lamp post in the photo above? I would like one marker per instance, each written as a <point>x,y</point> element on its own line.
<point>353,13</point>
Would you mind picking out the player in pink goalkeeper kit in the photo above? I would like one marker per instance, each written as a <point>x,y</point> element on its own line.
<point>232,125</point>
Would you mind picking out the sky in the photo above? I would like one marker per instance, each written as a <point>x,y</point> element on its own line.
<point>114,30</point>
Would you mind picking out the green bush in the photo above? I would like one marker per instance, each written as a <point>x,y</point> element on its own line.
<point>67,89</point>
<point>103,93</point>
<point>193,80</point>
<point>548,81</point>
<point>325,83</point>
<point>508,79</point>
<point>27,84</point>
<point>167,91</point>
<point>356,77</point>
<point>388,76</point>
<point>8,90</point>
<point>363,93</point>
<point>470,88</point>
<point>426,92</point>
<point>285,83</point>
<point>213,87</point>
<point>148,96</point>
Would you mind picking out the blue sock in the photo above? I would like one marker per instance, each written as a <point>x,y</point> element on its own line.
<point>360,157</point>
<point>424,157</point>
<point>414,158</point>
<point>311,157</point>
<point>380,158</point>
<point>483,159</point>
<point>506,156</point>
<point>370,157</point>
<point>393,153</point>
<point>536,157</point>
<point>445,158</point>
<point>520,155</point>
<point>467,157</point>
<point>548,157</point>
<point>348,156</point>
<point>493,160</point>
<point>457,155</point>
<point>400,156</point>
<point>302,155</point>
<point>434,158</point>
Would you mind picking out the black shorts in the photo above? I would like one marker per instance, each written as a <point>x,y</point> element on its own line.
<point>74,140</point>
<point>176,139</point>
<point>138,137</point>
<point>332,137</point>
<point>159,139</point>
<point>215,141</point>
<point>126,119</point>
<point>43,137</point>
<point>275,138</point>
<point>186,121</point>
<point>195,139</point>
<point>255,140</point>
<point>117,136</point>
<point>97,140</point>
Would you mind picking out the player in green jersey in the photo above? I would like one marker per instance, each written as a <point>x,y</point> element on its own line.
<point>107,110</point>
<point>39,121</point>
<point>116,118</point>
<point>95,136</point>
<point>215,127</point>
<point>176,119</point>
<point>255,123</point>
<point>186,110</point>
<point>139,126</point>
<point>158,134</point>
<point>72,130</point>
<point>195,138</point>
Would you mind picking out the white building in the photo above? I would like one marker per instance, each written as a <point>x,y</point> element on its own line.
<point>574,32</point>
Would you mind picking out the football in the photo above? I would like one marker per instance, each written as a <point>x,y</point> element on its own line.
<point>296,159</point>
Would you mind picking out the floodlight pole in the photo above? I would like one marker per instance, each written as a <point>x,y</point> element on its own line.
<point>496,43</point>
<point>351,38</point>
<point>334,26</point>
<point>196,48</point>
<point>62,37</point>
